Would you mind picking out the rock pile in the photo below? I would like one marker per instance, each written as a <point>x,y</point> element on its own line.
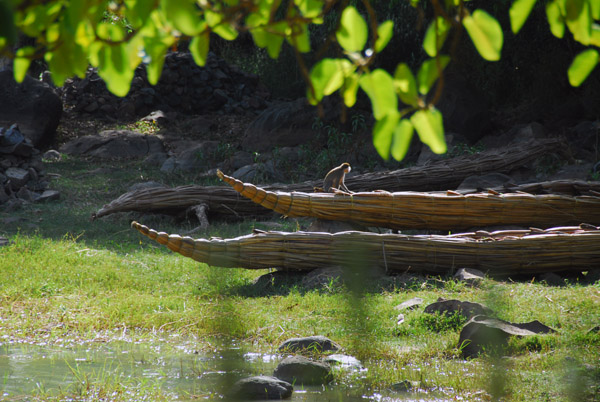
<point>21,170</point>
<point>183,87</point>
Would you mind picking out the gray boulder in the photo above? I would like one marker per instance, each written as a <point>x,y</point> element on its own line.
<point>261,388</point>
<point>343,361</point>
<point>464,308</point>
<point>489,180</point>
<point>470,276</point>
<point>285,124</point>
<point>114,144</point>
<point>409,304</point>
<point>300,370</point>
<point>484,334</point>
<point>32,105</point>
<point>17,177</point>
<point>317,343</point>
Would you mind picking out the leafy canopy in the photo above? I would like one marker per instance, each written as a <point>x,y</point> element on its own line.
<point>117,36</point>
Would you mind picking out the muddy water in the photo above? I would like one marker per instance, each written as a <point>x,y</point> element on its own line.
<point>179,372</point>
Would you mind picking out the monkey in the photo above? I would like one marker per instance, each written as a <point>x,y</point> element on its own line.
<point>334,180</point>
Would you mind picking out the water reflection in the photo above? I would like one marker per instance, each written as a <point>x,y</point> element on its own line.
<point>182,373</point>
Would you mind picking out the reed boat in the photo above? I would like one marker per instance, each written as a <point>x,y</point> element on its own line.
<point>514,252</point>
<point>448,210</point>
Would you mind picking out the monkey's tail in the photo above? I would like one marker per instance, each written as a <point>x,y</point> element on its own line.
<point>276,201</point>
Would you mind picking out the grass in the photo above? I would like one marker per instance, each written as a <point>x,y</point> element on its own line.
<point>65,279</point>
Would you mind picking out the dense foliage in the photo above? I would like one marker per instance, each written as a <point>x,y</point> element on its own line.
<point>118,36</point>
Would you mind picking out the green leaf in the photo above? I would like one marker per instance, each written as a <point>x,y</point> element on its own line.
<point>519,12</point>
<point>22,61</point>
<point>385,31</point>
<point>486,34</point>
<point>430,127</point>
<point>583,64</point>
<point>428,73</point>
<point>115,68</point>
<point>379,86</point>
<point>225,31</point>
<point>37,18</point>
<point>270,37</point>
<point>299,37</point>
<point>138,11</point>
<point>579,20</point>
<point>406,85</point>
<point>352,33</point>
<point>595,8</point>
<point>156,42</point>
<point>382,134</point>
<point>401,139</point>
<point>595,37</point>
<point>349,89</point>
<point>555,19</point>
<point>309,8</point>
<point>199,48</point>
<point>326,77</point>
<point>8,31</point>
<point>183,15</point>
<point>431,43</point>
<point>109,31</point>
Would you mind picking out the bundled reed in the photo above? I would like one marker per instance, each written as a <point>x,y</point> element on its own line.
<point>572,249</point>
<point>437,211</point>
<point>444,175</point>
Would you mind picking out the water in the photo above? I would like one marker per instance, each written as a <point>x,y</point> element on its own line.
<point>179,372</point>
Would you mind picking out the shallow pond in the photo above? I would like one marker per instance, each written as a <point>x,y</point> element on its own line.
<point>177,371</point>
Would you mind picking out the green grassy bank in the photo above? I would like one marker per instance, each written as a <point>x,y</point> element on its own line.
<point>66,279</point>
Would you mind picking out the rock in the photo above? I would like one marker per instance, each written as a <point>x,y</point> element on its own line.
<point>402,386</point>
<point>241,159</point>
<point>343,361</point>
<point>157,159</point>
<point>3,196</point>
<point>285,124</point>
<point>323,277</point>
<point>49,195</point>
<point>276,280</point>
<point>552,279</point>
<point>157,117</point>
<point>471,276</point>
<point>26,195</point>
<point>198,157</point>
<point>300,370</point>
<point>321,225</point>
<point>580,171</point>
<point>484,334</point>
<point>169,165</point>
<point>33,105</point>
<point>257,172</point>
<point>260,388</point>
<point>317,343</point>
<point>485,181</point>
<point>114,144</point>
<point>183,86</point>
<point>409,304</point>
<point>17,177</point>
<point>464,308</point>
<point>592,276</point>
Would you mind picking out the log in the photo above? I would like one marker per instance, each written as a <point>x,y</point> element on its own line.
<point>443,175</point>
